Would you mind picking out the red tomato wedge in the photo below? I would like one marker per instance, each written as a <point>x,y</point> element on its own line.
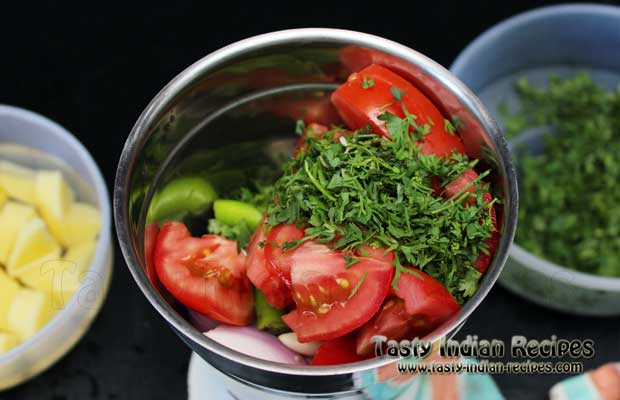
<point>392,321</point>
<point>337,351</point>
<point>279,260</point>
<point>358,106</point>
<point>205,274</point>
<point>484,260</point>
<point>461,183</point>
<point>453,188</point>
<point>262,274</point>
<point>333,300</point>
<point>419,305</point>
<point>426,299</point>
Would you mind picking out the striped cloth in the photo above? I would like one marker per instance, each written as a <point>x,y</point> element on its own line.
<point>602,383</point>
<point>435,387</point>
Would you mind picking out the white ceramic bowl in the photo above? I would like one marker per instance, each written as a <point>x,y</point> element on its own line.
<point>561,40</point>
<point>37,142</point>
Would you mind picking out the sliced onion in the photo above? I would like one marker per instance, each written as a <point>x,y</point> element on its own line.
<point>290,340</point>
<point>201,322</point>
<point>251,341</point>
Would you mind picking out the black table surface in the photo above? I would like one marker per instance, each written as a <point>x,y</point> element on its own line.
<point>93,68</point>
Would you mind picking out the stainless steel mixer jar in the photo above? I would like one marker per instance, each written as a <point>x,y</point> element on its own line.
<point>231,115</point>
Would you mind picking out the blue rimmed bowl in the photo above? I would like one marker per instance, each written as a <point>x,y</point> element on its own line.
<point>560,40</point>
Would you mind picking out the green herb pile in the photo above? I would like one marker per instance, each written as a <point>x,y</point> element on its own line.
<point>570,203</point>
<point>365,189</point>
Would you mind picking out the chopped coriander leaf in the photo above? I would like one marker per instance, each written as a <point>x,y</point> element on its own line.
<point>457,122</point>
<point>380,191</point>
<point>386,105</point>
<point>261,197</point>
<point>358,285</point>
<point>469,284</point>
<point>396,126</point>
<point>367,83</point>
<point>449,127</point>
<point>240,232</point>
<point>351,261</point>
<point>398,95</point>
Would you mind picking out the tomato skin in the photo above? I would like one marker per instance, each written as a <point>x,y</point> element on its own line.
<point>454,187</point>
<point>426,299</point>
<point>262,275</point>
<point>358,106</point>
<point>392,321</point>
<point>419,305</point>
<point>460,182</point>
<point>280,261</point>
<point>322,290</point>
<point>337,351</point>
<point>205,274</point>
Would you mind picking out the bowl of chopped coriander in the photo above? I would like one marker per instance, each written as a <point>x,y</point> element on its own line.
<point>551,78</point>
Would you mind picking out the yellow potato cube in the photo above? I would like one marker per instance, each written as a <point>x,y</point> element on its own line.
<point>36,270</point>
<point>3,197</point>
<point>7,342</point>
<point>12,217</point>
<point>81,254</point>
<point>8,290</point>
<point>33,245</point>
<point>53,194</point>
<point>17,181</point>
<point>59,279</point>
<point>28,312</point>
<point>81,224</point>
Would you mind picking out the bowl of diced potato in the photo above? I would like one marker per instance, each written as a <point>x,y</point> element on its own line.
<point>55,245</point>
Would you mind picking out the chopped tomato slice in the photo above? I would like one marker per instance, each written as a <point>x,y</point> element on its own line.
<point>460,183</point>
<point>359,106</point>
<point>333,300</point>
<point>277,258</point>
<point>262,274</point>
<point>455,187</point>
<point>484,260</point>
<point>205,274</point>
<point>426,299</point>
<point>356,58</point>
<point>337,351</point>
<point>419,305</point>
<point>392,321</point>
